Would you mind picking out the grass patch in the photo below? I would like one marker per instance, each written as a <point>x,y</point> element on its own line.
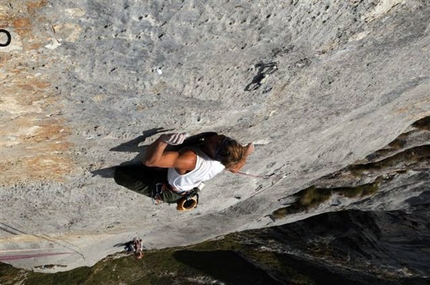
<point>11,275</point>
<point>312,197</point>
<point>359,191</point>
<point>408,157</point>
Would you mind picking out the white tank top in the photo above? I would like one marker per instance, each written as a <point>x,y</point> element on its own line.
<point>205,169</point>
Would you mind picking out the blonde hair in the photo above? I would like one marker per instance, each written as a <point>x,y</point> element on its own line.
<point>232,153</point>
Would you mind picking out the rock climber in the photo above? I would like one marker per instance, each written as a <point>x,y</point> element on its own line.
<point>189,167</point>
<point>186,165</point>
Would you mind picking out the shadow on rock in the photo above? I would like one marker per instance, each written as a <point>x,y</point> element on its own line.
<point>140,178</point>
<point>264,69</point>
<point>130,146</point>
<point>104,172</point>
<point>225,266</point>
<point>133,145</point>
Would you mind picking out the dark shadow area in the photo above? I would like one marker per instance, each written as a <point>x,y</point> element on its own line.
<point>140,178</point>
<point>309,272</point>
<point>423,124</point>
<point>263,70</point>
<point>104,172</point>
<point>128,246</point>
<point>133,145</point>
<point>362,242</point>
<point>226,266</point>
<point>421,200</point>
<point>130,146</point>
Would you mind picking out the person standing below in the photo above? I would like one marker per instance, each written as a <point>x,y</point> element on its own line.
<point>138,248</point>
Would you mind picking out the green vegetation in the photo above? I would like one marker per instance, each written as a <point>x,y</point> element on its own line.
<point>227,261</point>
<point>312,197</point>
<point>11,275</point>
<point>409,157</point>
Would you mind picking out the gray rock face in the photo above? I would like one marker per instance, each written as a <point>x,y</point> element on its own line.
<point>86,85</point>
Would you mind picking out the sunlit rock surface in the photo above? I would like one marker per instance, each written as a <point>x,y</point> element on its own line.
<point>86,85</point>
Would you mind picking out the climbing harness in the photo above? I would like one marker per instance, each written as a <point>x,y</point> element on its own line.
<point>9,38</point>
<point>185,201</point>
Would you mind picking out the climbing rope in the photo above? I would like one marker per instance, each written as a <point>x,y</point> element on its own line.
<point>267,176</point>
